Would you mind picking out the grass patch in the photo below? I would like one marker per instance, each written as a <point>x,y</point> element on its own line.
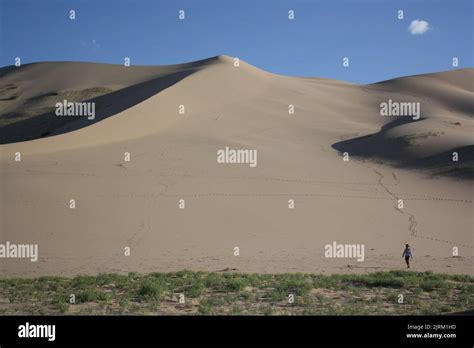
<point>90,295</point>
<point>151,290</point>
<point>240,294</point>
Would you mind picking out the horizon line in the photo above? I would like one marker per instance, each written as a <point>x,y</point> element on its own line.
<point>224,56</point>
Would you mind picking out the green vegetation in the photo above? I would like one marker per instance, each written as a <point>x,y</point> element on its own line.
<point>187,292</point>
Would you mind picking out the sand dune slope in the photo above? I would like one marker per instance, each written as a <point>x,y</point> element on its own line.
<point>30,93</point>
<point>173,160</point>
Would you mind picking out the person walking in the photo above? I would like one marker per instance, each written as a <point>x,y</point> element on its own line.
<point>407,254</point>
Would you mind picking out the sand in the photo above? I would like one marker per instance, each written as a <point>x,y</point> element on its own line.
<point>135,204</point>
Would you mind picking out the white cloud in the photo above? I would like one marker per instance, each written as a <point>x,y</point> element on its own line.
<point>418,27</point>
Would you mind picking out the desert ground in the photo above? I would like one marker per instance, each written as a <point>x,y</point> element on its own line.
<point>135,203</point>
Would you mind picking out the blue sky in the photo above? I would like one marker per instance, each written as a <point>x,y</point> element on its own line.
<point>378,44</point>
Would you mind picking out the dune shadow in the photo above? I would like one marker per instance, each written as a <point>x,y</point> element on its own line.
<point>48,124</point>
<point>7,70</point>
<point>397,152</point>
<point>377,145</point>
<point>443,165</point>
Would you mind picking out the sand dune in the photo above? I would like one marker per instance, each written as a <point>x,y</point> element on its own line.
<point>32,91</point>
<point>173,157</point>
